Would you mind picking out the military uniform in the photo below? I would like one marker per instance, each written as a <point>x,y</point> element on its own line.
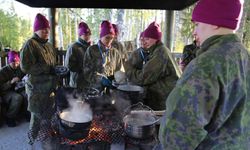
<point>209,107</point>
<point>74,61</point>
<point>189,53</point>
<point>155,72</point>
<point>38,58</point>
<point>118,45</point>
<point>99,60</point>
<point>12,99</point>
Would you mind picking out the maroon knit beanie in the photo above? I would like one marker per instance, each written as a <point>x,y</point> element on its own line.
<point>223,13</point>
<point>106,28</point>
<point>40,22</point>
<point>153,31</point>
<point>116,29</point>
<point>13,57</point>
<point>83,29</point>
<point>141,35</point>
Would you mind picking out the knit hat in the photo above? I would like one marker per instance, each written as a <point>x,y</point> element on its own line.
<point>141,35</point>
<point>116,29</point>
<point>106,28</point>
<point>40,22</point>
<point>13,57</point>
<point>223,13</point>
<point>153,31</point>
<point>83,29</point>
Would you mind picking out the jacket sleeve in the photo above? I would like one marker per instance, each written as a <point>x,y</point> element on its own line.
<point>72,60</point>
<point>189,109</point>
<point>89,65</point>
<point>119,62</point>
<point>151,71</point>
<point>29,60</point>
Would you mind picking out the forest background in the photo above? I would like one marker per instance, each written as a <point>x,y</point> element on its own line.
<point>16,29</point>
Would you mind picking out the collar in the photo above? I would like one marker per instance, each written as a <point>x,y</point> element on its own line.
<point>216,40</point>
<point>153,47</point>
<point>83,42</point>
<point>38,39</point>
<point>102,46</point>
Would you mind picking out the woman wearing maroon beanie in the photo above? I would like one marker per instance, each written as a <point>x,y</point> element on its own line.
<point>75,54</point>
<point>101,60</point>
<point>157,75</point>
<point>38,58</point>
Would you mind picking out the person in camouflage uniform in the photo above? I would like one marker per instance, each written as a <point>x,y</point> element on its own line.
<point>209,109</point>
<point>75,55</point>
<point>139,56</point>
<point>158,75</point>
<point>38,59</point>
<point>118,45</point>
<point>102,60</point>
<point>9,76</point>
<point>189,53</point>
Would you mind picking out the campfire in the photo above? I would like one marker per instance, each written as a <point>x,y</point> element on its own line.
<point>97,133</point>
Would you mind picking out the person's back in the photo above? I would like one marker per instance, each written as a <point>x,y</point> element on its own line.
<point>210,107</point>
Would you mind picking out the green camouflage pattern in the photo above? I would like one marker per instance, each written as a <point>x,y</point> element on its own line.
<point>38,57</point>
<point>188,54</point>
<point>6,75</point>
<point>74,61</point>
<point>209,109</point>
<point>157,75</point>
<point>118,45</point>
<point>93,64</point>
<point>10,97</point>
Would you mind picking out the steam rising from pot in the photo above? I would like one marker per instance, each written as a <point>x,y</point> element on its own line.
<point>78,111</point>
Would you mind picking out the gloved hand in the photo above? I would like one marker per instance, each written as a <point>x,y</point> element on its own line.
<point>106,82</point>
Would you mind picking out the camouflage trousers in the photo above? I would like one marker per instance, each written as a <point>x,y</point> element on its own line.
<point>13,102</point>
<point>42,108</point>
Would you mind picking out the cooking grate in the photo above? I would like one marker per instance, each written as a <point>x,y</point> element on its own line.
<point>45,127</point>
<point>106,126</point>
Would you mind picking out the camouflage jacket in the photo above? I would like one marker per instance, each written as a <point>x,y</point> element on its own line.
<point>98,60</point>
<point>189,53</point>
<point>157,76</point>
<point>6,75</point>
<point>38,57</point>
<point>118,45</point>
<point>210,106</point>
<point>74,61</point>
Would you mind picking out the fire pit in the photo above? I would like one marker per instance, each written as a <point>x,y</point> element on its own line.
<point>106,131</point>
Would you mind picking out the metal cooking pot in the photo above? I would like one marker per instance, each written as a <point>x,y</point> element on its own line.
<point>74,130</point>
<point>140,123</point>
<point>134,93</point>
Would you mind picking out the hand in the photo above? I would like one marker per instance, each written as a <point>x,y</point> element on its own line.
<point>106,82</point>
<point>14,80</point>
